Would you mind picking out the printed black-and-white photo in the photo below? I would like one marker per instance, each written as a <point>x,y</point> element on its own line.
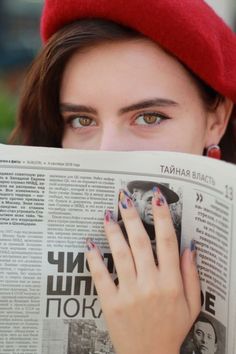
<point>142,193</point>
<point>75,337</point>
<point>207,336</point>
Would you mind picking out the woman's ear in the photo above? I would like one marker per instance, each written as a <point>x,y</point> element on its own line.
<point>217,121</point>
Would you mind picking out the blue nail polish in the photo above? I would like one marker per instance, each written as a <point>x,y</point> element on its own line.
<point>125,200</point>
<point>193,245</point>
<point>90,245</point>
<point>155,189</point>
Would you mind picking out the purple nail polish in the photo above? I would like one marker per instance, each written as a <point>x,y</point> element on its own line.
<point>159,198</point>
<point>125,200</point>
<point>193,250</point>
<point>109,216</point>
<point>155,189</point>
<point>193,245</point>
<point>160,201</point>
<point>90,245</point>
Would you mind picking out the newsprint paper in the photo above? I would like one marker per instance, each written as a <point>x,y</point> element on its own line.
<point>52,200</point>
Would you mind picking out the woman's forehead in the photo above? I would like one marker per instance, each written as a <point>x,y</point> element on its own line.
<point>135,65</point>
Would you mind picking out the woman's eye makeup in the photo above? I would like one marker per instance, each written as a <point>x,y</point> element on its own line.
<point>80,121</point>
<point>142,119</point>
<point>150,118</point>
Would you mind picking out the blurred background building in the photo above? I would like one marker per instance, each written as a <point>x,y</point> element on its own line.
<point>226,9</point>
<point>20,42</point>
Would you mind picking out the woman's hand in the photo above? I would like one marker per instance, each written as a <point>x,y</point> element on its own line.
<point>154,307</point>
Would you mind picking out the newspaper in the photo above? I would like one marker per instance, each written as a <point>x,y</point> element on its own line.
<point>52,200</point>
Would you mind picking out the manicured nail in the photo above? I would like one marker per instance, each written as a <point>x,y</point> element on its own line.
<point>90,244</point>
<point>193,245</point>
<point>193,250</point>
<point>109,216</point>
<point>158,196</point>
<point>125,199</point>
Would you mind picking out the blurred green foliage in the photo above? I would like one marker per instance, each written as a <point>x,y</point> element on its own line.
<point>8,106</point>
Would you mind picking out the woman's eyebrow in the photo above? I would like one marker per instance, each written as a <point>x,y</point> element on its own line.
<point>161,102</point>
<point>70,107</point>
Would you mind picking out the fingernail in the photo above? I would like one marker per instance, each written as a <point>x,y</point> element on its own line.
<point>193,245</point>
<point>109,216</point>
<point>125,199</point>
<point>193,251</point>
<point>90,244</point>
<point>158,196</point>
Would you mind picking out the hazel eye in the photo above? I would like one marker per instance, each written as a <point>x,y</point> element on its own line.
<point>150,119</point>
<point>81,122</point>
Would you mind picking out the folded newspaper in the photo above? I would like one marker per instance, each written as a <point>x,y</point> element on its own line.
<point>52,200</point>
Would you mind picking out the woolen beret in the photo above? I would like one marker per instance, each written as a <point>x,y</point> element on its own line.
<point>188,29</point>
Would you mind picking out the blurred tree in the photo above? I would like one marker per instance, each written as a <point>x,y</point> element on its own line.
<point>19,43</point>
<point>8,104</point>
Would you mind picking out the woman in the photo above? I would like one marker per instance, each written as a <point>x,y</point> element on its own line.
<point>115,75</point>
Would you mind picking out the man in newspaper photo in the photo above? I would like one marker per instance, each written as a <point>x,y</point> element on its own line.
<point>204,336</point>
<point>207,336</point>
<point>141,193</point>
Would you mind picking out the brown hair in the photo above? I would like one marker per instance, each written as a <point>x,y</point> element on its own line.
<point>39,121</point>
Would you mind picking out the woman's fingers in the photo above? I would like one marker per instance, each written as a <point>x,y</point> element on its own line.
<point>121,252</point>
<point>157,303</point>
<point>138,238</point>
<point>102,279</point>
<point>191,281</point>
<point>167,245</point>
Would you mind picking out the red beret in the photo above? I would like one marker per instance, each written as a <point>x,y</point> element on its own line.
<point>189,29</point>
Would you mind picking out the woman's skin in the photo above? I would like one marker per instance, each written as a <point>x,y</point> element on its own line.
<point>131,95</point>
<point>101,85</point>
<point>153,307</point>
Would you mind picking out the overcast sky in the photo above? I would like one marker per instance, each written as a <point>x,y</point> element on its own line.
<point>226,9</point>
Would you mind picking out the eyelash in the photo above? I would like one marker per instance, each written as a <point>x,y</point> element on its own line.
<point>159,118</point>
<point>71,119</point>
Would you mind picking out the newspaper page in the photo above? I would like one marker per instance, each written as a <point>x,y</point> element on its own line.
<point>52,200</point>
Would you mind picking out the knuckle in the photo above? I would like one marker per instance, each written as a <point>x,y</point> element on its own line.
<point>170,240</point>
<point>163,213</point>
<point>151,294</point>
<point>120,253</point>
<point>141,241</point>
<point>172,293</point>
<point>169,291</point>
<point>149,290</point>
<point>112,229</point>
<point>131,302</point>
<point>131,214</point>
<point>127,303</point>
<point>116,308</point>
<point>155,293</point>
<point>97,274</point>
